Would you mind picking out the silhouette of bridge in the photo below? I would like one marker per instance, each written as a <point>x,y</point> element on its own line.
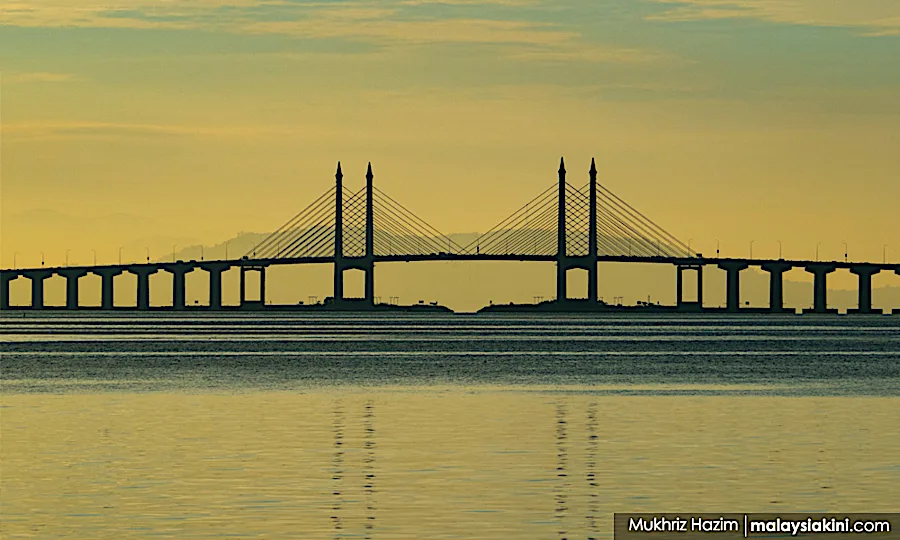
<point>575,227</point>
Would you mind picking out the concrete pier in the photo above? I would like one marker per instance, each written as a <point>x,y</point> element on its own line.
<point>733,287</point>
<point>776,272</point>
<point>72,276</point>
<point>215,282</point>
<point>143,274</point>
<point>865,273</point>
<point>107,277</point>
<point>5,279</point>
<point>262,285</point>
<point>178,271</point>
<point>679,287</point>
<point>896,311</point>
<point>37,278</point>
<point>820,287</point>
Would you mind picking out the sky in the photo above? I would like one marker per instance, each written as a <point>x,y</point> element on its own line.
<point>164,122</point>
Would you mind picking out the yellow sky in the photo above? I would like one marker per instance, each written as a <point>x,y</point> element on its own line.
<point>729,120</point>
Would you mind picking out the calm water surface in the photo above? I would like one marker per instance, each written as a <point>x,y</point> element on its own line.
<point>437,426</point>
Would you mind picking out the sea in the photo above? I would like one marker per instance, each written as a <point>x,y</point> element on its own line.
<point>395,426</point>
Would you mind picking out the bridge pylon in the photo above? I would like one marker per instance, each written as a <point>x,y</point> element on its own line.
<point>561,259</point>
<point>366,262</point>
<point>564,261</point>
<point>339,235</point>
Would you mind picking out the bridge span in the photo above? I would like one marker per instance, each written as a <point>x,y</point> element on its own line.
<point>571,227</point>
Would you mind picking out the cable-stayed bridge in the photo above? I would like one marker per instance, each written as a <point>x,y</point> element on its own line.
<point>574,226</point>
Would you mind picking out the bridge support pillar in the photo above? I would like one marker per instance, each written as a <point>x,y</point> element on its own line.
<point>5,279</point>
<point>896,311</point>
<point>215,283</point>
<point>865,273</point>
<point>820,287</point>
<point>107,277</point>
<point>776,272</point>
<point>72,277</point>
<point>560,282</point>
<point>679,288</point>
<point>733,290</point>
<point>700,286</point>
<point>178,272</point>
<point>262,286</point>
<point>338,283</point>
<point>37,278</point>
<point>143,274</point>
<point>370,285</point>
<point>592,282</point>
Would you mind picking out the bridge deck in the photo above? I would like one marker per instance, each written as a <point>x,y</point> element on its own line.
<point>679,261</point>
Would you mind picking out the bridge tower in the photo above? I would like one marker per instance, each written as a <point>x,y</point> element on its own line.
<point>339,235</point>
<point>370,240</point>
<point>366,263</point>
<point>564,261</point>
<point>592,232</point>
<point>561,258</point>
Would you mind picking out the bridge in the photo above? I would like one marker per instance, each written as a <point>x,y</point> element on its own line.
<point>575,227</point>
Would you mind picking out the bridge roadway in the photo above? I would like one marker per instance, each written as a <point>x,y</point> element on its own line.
<point>178,269</point>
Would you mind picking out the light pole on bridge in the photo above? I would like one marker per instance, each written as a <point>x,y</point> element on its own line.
<point>15,254</point>
<point>148,253</point>
<point>67,257</point>
<point>120,255</point>
<point>817,250</point>
<point>42,258</point>
<point>845,251</point>
<point>779,250</point>
<point>884,254</point>
<point>173,252</point>
<point>201,252</point>
<point>226,251</point>
<point>95,256</point>
<point>717,248</point>
<point>751,249</point>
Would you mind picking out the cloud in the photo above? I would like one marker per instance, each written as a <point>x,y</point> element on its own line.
<point>421,31</point>
<point>55,130</point>
<point>36,77</point>
<point>872,17</point>
<point>589,53</point>
<point>385,23</point>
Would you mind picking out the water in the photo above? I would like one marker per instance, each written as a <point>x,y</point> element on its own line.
<point>301,426</point>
